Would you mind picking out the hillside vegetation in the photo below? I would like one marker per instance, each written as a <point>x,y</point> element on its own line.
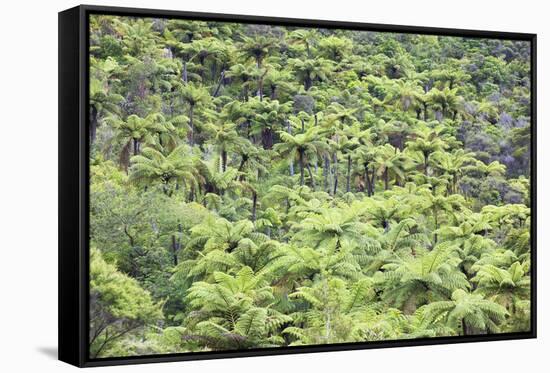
<point>259,186</point>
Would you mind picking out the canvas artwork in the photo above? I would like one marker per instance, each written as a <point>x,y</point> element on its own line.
<point>260,186</point>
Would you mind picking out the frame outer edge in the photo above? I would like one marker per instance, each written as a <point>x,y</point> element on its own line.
<point>74,184</point>
<point>69,249</point>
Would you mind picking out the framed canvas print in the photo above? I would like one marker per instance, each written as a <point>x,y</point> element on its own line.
<point>236,186</point>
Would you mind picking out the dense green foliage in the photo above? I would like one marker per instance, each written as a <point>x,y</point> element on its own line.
<point>257,186</point>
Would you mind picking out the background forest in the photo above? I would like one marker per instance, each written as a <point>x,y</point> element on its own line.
<point>259,186</point>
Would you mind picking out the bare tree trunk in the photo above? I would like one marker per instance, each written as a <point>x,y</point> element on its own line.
<point>222,76</point>
<point>267,138</point>
<point>261,88</point>
<point>311,176</point>
<point>436,224</point>
<point>328,325</point>
<point>372,182</point>
<point>241,166</point>
<point>245,91</point>
<point>335,166</point>
<point>301,160</point>
<point>224,160</point>
<point>455,184</point>
<point>368,180</point>
<point>93,123</point>
<point>349,174</point>
<point>184,73</point>
<point>254,205</point>
<point>326,171</point>
<point>174,251</point>
<point>191,125</point>
<point>291,161</point>
<point>464,327</point>
<point>425,105</point>
<point>307,82</point>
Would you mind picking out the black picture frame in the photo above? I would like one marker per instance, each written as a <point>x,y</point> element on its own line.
<point>73,165</point>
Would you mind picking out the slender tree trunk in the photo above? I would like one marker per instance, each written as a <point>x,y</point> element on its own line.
<point>307,83</point>
<point>245,91</point>
<point>174,250</point>
<point>372,178</point>
<point>291,161</point>
<point>93,123</point>
<point>464,328</point>
<point>311,176</point>
<point>165,188</point>
<point>180,231</point>
<point>213,68</point>
<point>222,77</point>
<point>366,177</point>
<point>386,179</point>
<point>260,78</point>
<point>326,171</point>
<point>254,205</point>
<point>328,326</point>
<point>455,184</point>
<point>335,166</point>
<point>247,126</point>
<point>425,105</point>
<point>368,180</point>
<point>243,162</point>
<point>301,160</point>
<point>201,73</point>
<point>184,72</point>
<point>224,160</point>
<point>191,125</point>
<point>436,225</point>
<point>136,146</point>
<point>267,138</point>
<point>349,174</point>
<point>273,94</point>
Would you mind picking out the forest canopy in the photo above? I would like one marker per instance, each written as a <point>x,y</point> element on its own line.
<point>266,186</point>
